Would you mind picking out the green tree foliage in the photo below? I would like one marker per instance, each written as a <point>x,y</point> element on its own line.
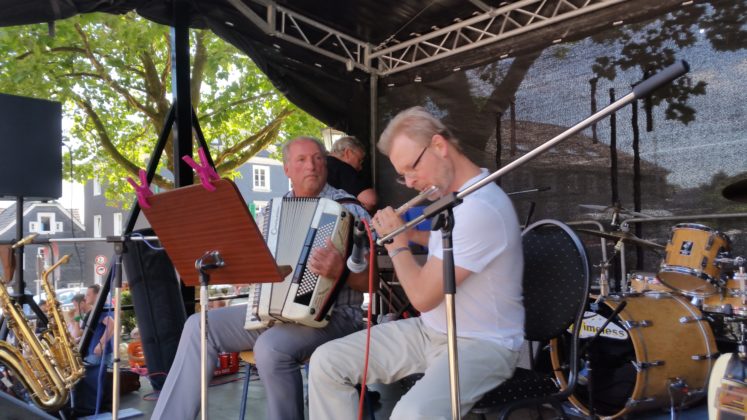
<point>112,73</point>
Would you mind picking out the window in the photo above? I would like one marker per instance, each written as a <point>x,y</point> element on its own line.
<point>261,177</point>
<point>96,187</point>
<point>45,223</point>
<point>97,226</point>
<point>117,228</point>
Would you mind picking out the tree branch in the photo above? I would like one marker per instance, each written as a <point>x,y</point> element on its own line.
<point>103,135</point>
<point>107,78</point>
<point>199,62</point>
<point>54,50</point>
<point>239,102</point>
<point>243,144</point>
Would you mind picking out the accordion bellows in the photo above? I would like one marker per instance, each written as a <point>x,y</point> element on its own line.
<point>293,228</point>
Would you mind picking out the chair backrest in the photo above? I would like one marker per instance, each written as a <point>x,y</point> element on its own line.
<point>556,278</point>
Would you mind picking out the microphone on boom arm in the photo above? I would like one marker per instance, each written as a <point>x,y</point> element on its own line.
<point>357,262</point>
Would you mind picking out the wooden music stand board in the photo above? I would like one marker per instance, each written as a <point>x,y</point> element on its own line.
<point>209,234</point>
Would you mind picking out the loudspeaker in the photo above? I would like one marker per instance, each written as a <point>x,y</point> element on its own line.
<point>15,409</point>
<point>160,313</point>
<point>31,144</point>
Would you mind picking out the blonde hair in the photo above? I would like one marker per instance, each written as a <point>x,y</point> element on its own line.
<point>417,124</point>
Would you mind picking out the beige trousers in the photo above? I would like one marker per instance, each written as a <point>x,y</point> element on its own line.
<point>399,349</point>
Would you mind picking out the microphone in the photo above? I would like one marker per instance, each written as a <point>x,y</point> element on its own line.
<point>357,261</point>
<point>25,241</point>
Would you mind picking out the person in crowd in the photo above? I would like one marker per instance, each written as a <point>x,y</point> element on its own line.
<point>344,165</point>
<point>101,345</point>
<point>488,271</point>
<point>281,349</point>
<point>74,316</point>
<point>44,308</point>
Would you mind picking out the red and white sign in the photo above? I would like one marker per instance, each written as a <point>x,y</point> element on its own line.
<point>100,260</point>
<point>100,270</point>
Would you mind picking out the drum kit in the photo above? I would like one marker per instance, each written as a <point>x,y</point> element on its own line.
<point>667,339</point>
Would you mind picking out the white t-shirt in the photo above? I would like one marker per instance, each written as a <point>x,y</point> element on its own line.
<point>487,242</point>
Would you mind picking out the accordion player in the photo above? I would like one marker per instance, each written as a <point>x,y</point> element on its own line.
<point>293,228</point>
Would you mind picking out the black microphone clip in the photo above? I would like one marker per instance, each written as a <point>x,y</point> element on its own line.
<point>357,262</point>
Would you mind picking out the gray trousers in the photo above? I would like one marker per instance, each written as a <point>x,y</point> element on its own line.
<point>399,349</point>
<point>279,352</point>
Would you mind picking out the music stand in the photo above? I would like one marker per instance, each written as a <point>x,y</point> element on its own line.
<point>203,230</point>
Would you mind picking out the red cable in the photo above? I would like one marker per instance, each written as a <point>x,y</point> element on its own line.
<point>371,257</point>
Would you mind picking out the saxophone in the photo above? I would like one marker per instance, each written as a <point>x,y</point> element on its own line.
<point>47,366</point>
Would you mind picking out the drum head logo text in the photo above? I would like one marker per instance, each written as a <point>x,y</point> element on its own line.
<point>593,322</point>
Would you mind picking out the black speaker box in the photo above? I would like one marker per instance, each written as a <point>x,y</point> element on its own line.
<point>160,313</point>
<point>15,409</point>
<point>31,144</point>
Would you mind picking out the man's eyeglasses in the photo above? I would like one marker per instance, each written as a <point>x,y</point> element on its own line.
<point>402,178</point>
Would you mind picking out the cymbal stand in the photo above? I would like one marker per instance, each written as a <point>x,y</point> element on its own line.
<point>209,261</point>
<point>604,287</point>
<point>741,278</point>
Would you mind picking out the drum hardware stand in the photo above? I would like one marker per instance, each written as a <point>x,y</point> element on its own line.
<point>586,353</point>
<point>449,201</point>
<point>604,287</point>
<point>605,261</point>
<point>209,261</point>
<point>119,249</point>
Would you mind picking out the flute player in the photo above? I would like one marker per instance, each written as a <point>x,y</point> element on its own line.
<point>488,268</point>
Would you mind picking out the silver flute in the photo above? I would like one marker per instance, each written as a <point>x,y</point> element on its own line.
<point>416,200</point>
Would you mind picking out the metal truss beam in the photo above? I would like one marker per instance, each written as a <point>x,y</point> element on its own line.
<point>297,29</point>
<point>484,28</point>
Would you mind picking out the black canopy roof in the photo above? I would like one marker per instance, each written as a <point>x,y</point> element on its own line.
<point>321,54</point>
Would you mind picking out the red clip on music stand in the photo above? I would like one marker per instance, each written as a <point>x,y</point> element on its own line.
<point>193,224</point>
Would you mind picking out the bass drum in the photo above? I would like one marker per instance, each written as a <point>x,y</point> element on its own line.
<point>727,391</point>
<point>656,345</point>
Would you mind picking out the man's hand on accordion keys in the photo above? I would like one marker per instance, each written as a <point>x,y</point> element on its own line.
<point>327,261</point>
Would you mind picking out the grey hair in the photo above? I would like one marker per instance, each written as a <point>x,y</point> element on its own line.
<point>347,142</point>
<point>286,146</point>
<point>417,124</point>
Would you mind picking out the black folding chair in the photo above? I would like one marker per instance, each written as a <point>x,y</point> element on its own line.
<point>556,288</point>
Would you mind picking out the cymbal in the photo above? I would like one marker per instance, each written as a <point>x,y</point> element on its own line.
<point>618,209</point>
<point>626,237</point>
<point>736,191</point>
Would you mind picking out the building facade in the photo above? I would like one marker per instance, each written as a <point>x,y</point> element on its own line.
<point>49,220</point>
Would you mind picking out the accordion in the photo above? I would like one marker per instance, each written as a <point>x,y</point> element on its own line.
<point>293,228</point>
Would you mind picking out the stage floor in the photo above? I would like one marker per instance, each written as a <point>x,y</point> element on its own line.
<point>224,399</point>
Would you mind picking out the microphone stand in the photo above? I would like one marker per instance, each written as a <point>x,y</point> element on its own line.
<point>209,261</point>
<point>445,222</point>
<point>450,200</point>
<point>119,249</point>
